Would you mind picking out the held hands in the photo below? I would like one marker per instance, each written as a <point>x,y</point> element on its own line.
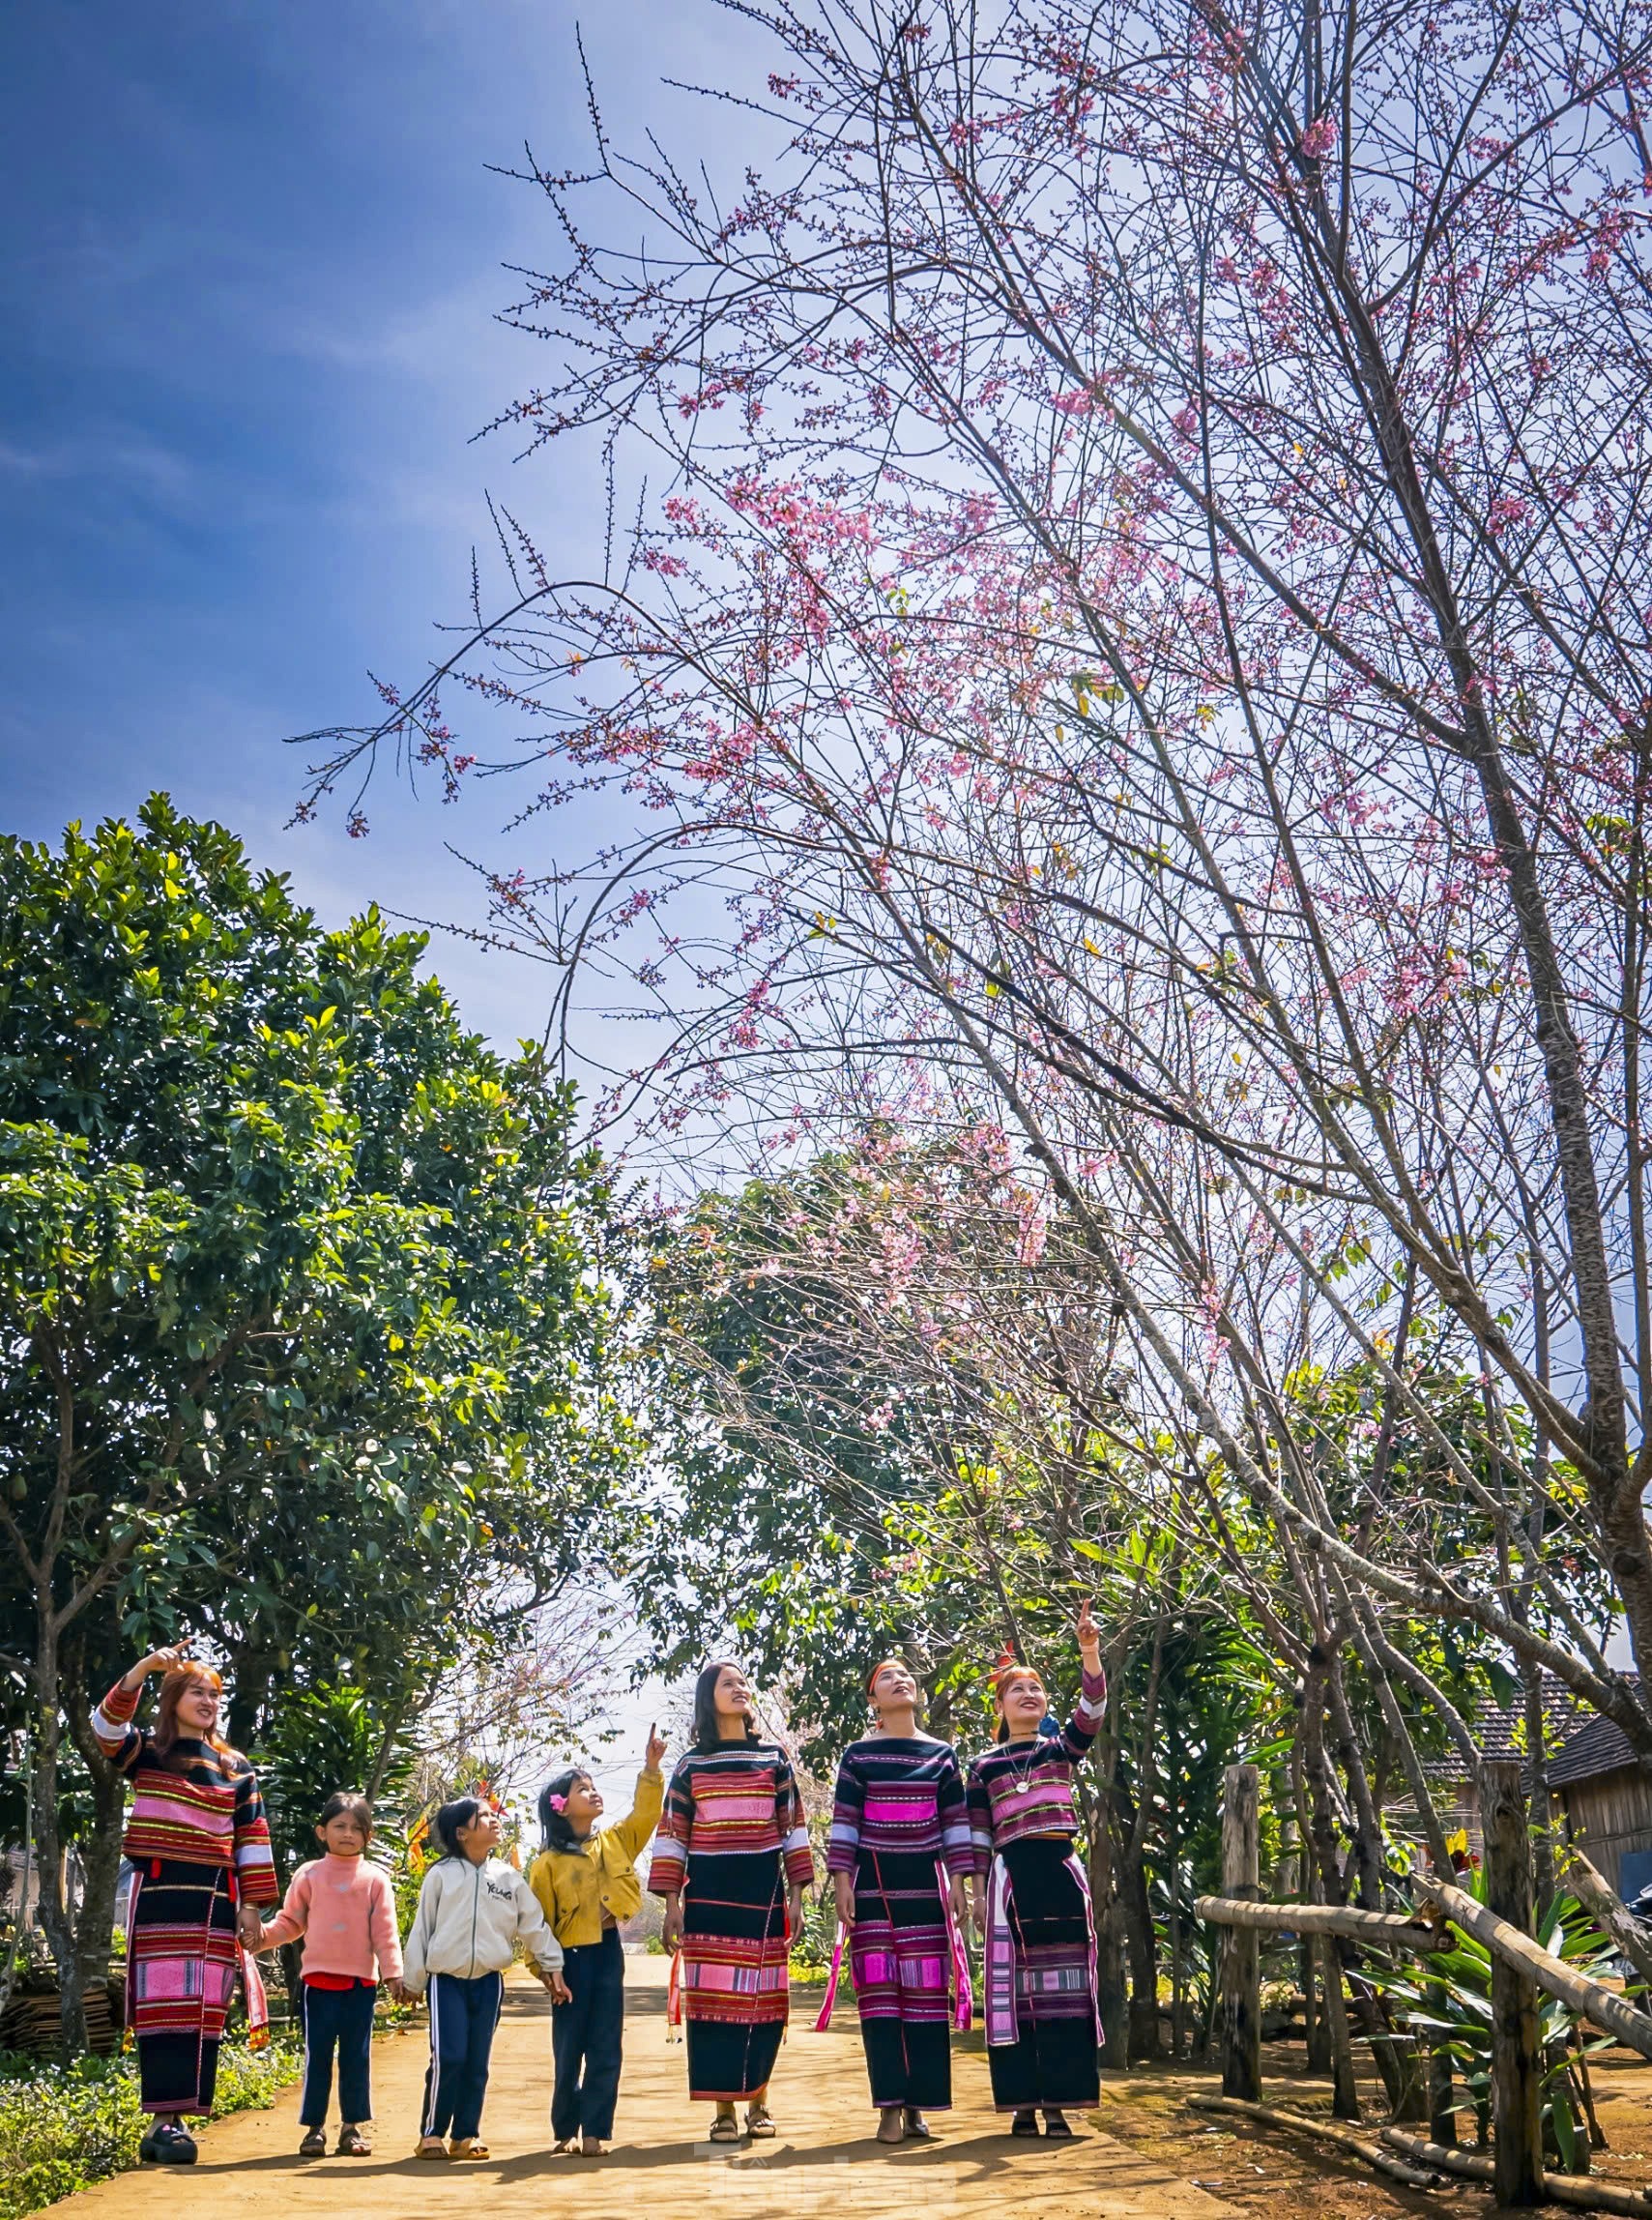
<point>670,1931</point>
<point>1089,1634</point>
<point>655,1750</point>
<point>958,1896</point>
<point>249,1928</point>
<point>561,1992</point>
<point>843,1888</point>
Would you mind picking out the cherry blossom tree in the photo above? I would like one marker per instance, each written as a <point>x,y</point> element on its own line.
<point>1136,628</point>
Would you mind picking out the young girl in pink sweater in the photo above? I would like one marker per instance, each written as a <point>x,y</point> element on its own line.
<point>344,1908</point>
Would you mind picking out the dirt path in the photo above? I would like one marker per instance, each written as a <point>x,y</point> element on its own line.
<point>824,2164</point>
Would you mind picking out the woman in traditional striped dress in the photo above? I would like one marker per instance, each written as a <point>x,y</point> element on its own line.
<point>732,1861</point>
<point>200,1843</point>
<point>900,1835</point>
<point>1043,2027</point>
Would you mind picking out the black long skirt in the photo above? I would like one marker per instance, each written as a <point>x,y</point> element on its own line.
<point>901,1960</point>
<point>181,1969</point>
<point>1054,2061</point>
<point>734,1971</point>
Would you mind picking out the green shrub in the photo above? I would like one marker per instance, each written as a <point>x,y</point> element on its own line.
<point>64,2127</point>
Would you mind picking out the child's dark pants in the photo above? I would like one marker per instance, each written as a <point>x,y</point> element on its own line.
<point>341,2018</point>
<point>463,2015</point>
<point>586,2036</point>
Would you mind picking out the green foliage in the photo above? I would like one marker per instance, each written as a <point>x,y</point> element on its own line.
<point>64,2127</point>
<point>303,1318</point>
<point>307,1266</point>
<point>320,1739</point>
<point>1448,2003</point>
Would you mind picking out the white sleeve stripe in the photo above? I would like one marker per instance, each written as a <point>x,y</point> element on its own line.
<point>797,1839</point>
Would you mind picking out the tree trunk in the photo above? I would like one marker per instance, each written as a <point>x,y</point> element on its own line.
<point>1142,1948</point>
<point>1109,1940</point>
<point>1517,2061</point>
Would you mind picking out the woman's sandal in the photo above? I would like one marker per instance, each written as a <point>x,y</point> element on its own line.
<point>563,2145</point>
<point>431,2147</point>
<point>758,2124</point>
<point>594,2147</point>
<point>1025,2124</point>
<point>725,2128</point>
<point>1057,2128</point>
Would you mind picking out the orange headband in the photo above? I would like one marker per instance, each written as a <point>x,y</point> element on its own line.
<point>899,1663</point>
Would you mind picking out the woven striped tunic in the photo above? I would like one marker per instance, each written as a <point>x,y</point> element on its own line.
<point>732,1838</point>
<point>199,1839</point>
<point>900,1826</point>
<point>1042,2025</point>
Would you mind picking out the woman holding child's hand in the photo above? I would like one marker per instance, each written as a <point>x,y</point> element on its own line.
<point>198,1838</point>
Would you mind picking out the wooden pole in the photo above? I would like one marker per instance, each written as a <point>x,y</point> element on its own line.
<point>1591,1890</point>
<point>1238,1976</point>
<point>1516,2057</point>
<point>1392,1930</point>
<point>1321,2131</point>
<point>1583,2196</point>
<point>1505,1940</point>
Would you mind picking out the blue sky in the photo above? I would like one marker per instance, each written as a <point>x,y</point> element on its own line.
<point>247,301</point>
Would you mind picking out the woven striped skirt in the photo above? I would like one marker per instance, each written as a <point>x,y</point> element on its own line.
<point>735,1979</point>
<point>1051,1963</point>
<point>181,1968</point>
<point>900,1957</point>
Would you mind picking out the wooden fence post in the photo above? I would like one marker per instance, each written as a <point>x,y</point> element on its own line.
<point>1238,1978</point>
<point>1517,2057</point>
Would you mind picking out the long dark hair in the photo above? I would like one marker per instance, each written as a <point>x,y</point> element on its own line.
<point>705,1736</point>
<point>463,1811</point>
<point>558,1833</point>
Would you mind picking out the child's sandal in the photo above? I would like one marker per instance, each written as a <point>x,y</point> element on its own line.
<point>352,2144</point>
<point>314,2143</point>
<point>470,2147</point>
<point>431,2146</point>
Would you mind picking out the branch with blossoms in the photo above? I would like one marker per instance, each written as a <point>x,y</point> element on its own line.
<point>1145,643</point>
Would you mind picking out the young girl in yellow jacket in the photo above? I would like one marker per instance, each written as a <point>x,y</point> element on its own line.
<point>587,1884</point>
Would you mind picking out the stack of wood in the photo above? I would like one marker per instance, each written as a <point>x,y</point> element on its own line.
<point>31,2023</point>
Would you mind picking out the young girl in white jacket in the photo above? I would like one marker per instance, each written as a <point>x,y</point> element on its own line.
<point>472,1911</point>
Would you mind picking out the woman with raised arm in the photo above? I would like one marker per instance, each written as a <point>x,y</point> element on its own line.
<point>732,1861</point>
<point>900,1858</point>
<point>200,1843</point>
<point>1043,2026</point>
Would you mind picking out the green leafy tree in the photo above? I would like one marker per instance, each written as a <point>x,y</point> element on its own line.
<point>302,1324</point>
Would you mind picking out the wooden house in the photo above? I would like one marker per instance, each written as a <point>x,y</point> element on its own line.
<point>1604,1799</point>
<point>1599,1796</point>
